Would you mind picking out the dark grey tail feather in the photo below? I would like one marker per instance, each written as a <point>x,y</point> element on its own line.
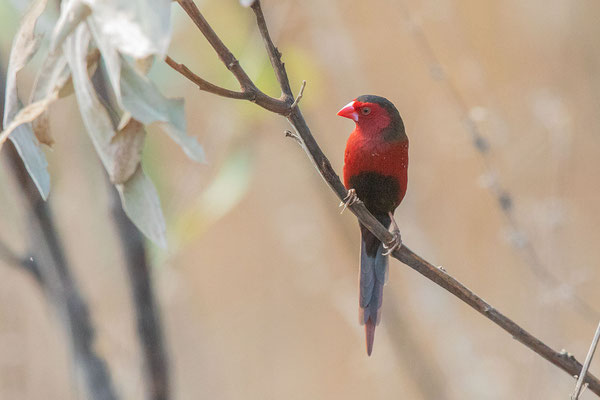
<point>372,278</point>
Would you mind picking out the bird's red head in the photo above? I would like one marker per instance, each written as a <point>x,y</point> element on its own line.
<point>372,114</point>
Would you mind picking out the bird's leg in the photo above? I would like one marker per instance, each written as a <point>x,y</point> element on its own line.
<point>396,241</point>
<point>350,199</point>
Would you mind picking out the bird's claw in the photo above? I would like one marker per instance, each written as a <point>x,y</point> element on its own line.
<point>350,199</point>
<point>393,244</point>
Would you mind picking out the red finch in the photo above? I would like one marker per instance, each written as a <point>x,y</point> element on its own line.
<point>375,172</point>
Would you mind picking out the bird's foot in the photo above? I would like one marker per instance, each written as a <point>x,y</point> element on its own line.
<point>393,244</point>
<point>350,199</point>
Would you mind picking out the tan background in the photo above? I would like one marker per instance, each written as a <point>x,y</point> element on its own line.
<point>258,289</point>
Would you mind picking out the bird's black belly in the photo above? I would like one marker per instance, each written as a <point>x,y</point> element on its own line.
<point>379,192</point>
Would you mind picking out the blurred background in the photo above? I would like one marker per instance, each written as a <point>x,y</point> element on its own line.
<point>258,289</point>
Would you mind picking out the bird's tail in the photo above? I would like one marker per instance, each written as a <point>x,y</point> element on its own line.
<point>373,275</point>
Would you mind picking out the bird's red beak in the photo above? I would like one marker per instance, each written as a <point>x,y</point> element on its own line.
<point>348,111</point>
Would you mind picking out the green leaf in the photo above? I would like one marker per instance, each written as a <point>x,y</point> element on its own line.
<point>94,114</point>
<point>25,45</point>
<point>145,102</point>
<point>72,13</point>
<point>34,159</point>
<point>142,205</point>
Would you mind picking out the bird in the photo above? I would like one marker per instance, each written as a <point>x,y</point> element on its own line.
<point>376,173</point>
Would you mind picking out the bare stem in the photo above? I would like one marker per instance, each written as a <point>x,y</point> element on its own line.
<point>154,351</point>
<point>206,85</point>
<point>299,97</point>
<point>274,54</point>
<point>439,276</point>
<point>148,318</point>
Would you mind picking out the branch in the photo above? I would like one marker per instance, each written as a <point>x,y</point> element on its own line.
<point>148,318</point>
<point>215,41</point>
<point>274,54</point>
<point>206,85</point>
<point>149,329</point>
<point>561,359</point>
<point>280,106</point>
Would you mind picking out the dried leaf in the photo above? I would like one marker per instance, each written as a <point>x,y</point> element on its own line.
<point>142,205</point>
<point>146,104</point>
<point>127,148</point>
<point>28,114</point>
<point>25,44</point>
<point>41,129</point>
<point>53,82</point>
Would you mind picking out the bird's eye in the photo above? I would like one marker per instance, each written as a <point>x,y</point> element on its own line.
<point>365,111</point>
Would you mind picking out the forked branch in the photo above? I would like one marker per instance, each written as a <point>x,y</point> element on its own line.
<point>287,107</point>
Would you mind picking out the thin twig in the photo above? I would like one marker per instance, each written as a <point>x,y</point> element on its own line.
<point>586,364</point>
<point>148,318</point>
<point>274,54</point>
<point>299,97</point>
<point>439,276</point>
<point>215,41</point>
<point>292,135</point>
<point>206,85</point>
<point>280,106</point>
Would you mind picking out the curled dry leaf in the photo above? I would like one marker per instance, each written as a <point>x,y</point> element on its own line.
<point>127,147</point>
<point>28,114</point>
<point>53,82</point>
